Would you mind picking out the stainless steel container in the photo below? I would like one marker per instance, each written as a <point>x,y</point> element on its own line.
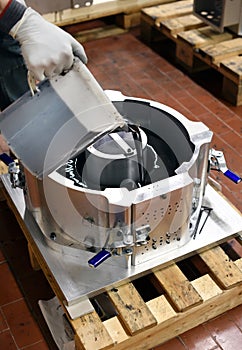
<point>142,221</point>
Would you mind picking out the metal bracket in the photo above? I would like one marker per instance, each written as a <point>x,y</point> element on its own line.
<point>142,233</point>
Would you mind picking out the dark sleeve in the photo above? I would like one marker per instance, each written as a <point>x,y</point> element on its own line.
<point>12,13</point>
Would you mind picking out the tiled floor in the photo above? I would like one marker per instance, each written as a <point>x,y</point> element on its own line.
<point>124,63</point>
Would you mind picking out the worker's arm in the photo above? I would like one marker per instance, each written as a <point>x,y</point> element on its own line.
<point>47,49</point>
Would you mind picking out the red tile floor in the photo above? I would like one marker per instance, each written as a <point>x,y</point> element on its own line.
<point>124,63</point>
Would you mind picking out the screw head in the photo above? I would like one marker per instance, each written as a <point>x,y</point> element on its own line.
<point>53,236</point>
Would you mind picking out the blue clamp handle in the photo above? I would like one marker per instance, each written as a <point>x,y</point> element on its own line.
<point>232,176</point>
<point>99,258</point>
<point>4,157</point>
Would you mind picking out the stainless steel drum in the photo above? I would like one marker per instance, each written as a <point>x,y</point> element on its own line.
<point>135,191</point>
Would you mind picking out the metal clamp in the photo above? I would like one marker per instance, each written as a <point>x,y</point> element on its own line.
<point>16,175</point>
<point>99,258</point>
<point>218,162</point>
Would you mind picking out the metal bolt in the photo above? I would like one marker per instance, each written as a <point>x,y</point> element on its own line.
<point>128,251</point>
<point>53,236</point>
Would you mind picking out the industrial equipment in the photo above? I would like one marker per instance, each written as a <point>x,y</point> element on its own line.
<point>220,14</point>
<point>109,174</point>
<point>109,181</point>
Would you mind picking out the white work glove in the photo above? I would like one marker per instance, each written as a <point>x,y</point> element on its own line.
<point>47,49</point>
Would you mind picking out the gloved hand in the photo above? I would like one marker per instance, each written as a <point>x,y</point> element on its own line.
<point>47,49</point>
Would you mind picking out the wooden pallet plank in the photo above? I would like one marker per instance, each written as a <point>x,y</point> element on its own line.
<point>128,20</point>
<point>172,26</point>
<point>179,290</point>
<point>206,287</point>
<point>232,68</point>
<point>217,52</point>
<point>156,14</point>
<point>188,43</point>
<point>97,33</point>
<point>83,14</point>
<point>33,261</point>
<point>198,38</point>
<point>133,312</point>
<point>161,309</point>
<point>90,333</point>
<point>222,268</point>
<point>116,330</point>
<point>232,91</point>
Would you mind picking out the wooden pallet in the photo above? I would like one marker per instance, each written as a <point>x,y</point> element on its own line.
<point>179,306</point>
<point>124,9</point>
<point>157,307</point>
<point>102,19</point>
<point>197,46</point>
